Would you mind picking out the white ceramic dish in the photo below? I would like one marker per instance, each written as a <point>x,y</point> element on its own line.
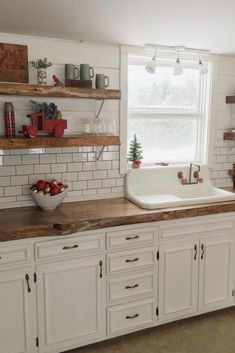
<point>159,187</point>
<point>48,202</point>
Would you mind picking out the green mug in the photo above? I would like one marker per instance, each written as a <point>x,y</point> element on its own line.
<point>71,72</point>
<point>86,72</point>
<point>101,81</point>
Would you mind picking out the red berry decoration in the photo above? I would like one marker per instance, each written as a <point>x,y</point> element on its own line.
<point>40,186</point>
<point>54,190</point>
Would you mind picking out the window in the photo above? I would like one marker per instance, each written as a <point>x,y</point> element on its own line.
<point>168,113</point>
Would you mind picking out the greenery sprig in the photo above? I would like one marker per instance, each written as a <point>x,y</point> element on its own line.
<point>41,63</point>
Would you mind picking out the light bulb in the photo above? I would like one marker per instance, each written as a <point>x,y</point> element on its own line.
<point>151,65</point>
<point>202,68</point>
<point>178,70</point>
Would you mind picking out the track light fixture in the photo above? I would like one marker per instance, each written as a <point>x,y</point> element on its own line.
<point>202,67</point>
<point>178,69</point>
<point>151,65</point>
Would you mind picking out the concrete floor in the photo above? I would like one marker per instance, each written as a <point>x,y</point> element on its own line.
<point>208,333</point>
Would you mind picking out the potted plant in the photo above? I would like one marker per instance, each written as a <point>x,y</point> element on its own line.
<point>41,65</point>
<point>135,153</point>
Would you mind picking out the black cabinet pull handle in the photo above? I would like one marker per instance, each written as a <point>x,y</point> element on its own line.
<point>27,281</point>
<point>195,251</point>
<point>132,287</point>
<point>101,268</point>
<point>203,251</point>
<point>70,247</point>
<point>132,260</point>
<point>132,238</point>
<point>132,316</point>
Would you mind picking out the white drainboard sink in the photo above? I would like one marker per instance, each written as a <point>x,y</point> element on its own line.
<point>159,187</point>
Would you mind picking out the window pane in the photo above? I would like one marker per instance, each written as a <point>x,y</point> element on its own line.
<point>163,90</point>
<point>165,139</point>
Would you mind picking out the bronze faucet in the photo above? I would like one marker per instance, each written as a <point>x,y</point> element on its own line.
<point>195,175</point>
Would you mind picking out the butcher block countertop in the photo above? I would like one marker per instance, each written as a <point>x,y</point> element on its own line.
<point>31,222</point>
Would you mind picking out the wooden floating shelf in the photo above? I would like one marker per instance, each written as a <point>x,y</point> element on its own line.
<point>18,89</point>
<point>230,99</point>
<point>65,141</point>
<point>230,136</point>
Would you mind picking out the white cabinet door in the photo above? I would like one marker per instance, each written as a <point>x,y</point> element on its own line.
<point>178,279</point>
<point>216,272</point>
<point>17,311</point>
<point>71,303</point>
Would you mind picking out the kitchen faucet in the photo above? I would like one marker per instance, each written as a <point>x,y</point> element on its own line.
<point>195,175</point>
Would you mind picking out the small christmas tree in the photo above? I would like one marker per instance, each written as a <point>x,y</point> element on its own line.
<point>135,152</point>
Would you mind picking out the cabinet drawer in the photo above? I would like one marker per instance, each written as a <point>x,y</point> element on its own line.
<point>130,286</point>
<point>15,254</point>
<point>128,237</point>
<point>67,246</point>
<point>185,227</point>
<point>133,315</point>
<point>131,259</point>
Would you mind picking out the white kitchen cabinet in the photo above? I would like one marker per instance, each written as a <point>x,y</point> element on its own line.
<point>71,303</point>
<point>95,285</point>
<point>195,275</point>
<point>216,279</point>
<point>178,279</point>
<point>17,311</point>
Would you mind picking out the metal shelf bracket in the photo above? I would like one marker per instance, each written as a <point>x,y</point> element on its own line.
<point>98,107</point>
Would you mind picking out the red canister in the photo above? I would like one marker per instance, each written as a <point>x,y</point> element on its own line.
<point>9,116</point>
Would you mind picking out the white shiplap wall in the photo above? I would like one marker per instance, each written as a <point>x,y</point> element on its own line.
<point>87,179</point>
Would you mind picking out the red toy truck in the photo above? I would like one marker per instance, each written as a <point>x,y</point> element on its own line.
<point>39,125</point>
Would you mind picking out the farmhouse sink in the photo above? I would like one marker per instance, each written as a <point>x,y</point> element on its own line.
<point>159,187</point>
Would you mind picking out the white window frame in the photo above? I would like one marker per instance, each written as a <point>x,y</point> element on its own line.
<point>141,55</point>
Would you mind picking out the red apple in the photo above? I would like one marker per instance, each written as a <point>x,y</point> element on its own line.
<point>40,185</point>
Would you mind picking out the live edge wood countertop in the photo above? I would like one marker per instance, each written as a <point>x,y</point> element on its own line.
<point>31,222</point>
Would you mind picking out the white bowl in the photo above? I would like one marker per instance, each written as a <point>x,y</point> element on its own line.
<point>48,202</point>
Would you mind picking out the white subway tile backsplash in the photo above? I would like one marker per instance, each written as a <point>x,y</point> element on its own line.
<point>5,181</point>
<point>65,157</point>
<point>7,170</point>
<point>74,167</point>
<point>19,152</point>
<point>13,190</point>
<point>19,180</point>
<point>79,185</point>
<point>58,168</point>
<point>107,183</point>
<point>12,160</point>
<point>101,174</point>
<point>87,166</point>
<point>69,149</point>
<point>30,159</point>
<point>222,158</point>
<point>85,175</point>
<point>47,158</point>
<point>94,184</point>
<point>104,165</point>
<point>79,157</point>
<point>73,176</point>
<point>118,190</point>
<point>25,170</point>
<point>42,168</point>
<point>35,177</point>
<point>104,191</point>
<point>53,150</point>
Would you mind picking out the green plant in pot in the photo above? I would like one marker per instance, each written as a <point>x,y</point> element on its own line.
<point>41,66</point>
<point>135,153</point>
